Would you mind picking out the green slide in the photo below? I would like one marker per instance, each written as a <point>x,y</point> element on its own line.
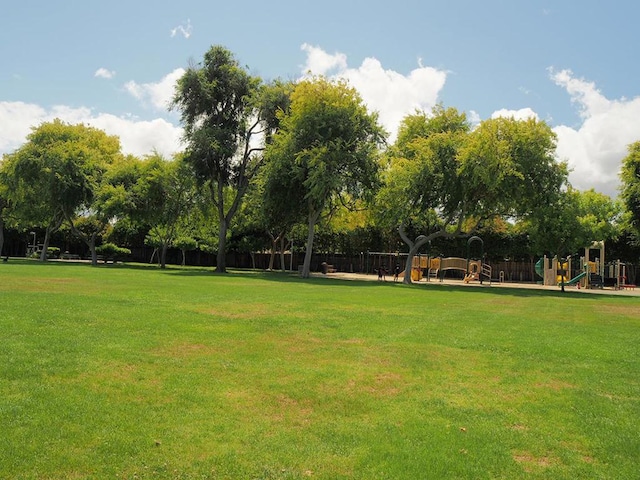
<point>539,268</point>
<point>575,279</point>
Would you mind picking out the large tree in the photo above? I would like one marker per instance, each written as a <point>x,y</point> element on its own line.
<point>325,152</point>
<point>423,188</point>
<point>444,180</point>
<point>4,205</point>
<point>630,190</point>
<point>153,192</point>
<point>54,176</point>
<point>227,116</point>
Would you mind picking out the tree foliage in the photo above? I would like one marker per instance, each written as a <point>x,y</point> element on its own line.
<point>324,154</point>
<point>630,191</point>
<point>227,116</point>
<point>55,175</point>
<point>444,180</point>
<point>154,192</point>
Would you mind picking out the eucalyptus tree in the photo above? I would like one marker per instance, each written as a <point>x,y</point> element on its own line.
<point>227,115</point>
<point>54,176</point>
<point>324,154</point>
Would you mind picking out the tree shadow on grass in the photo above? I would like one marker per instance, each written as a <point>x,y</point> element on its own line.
<point>329,281</point>
<point>337,282</point>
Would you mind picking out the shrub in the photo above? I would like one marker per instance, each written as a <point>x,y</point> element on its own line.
<point>110,251</point>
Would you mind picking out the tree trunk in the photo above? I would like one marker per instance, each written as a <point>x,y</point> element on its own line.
<point>274,246</point>
<point>184,256</point>
<point>1,235</point>
<point>45,245</point>
<point>413,250</point>
<point>414,247</point>
<point>153,254</point>
<point>283,266</point>
<point>306,266</point>
<point>272,258</point>
<point>92,248</point>
<point>163,255</point>
<point>221,258</point>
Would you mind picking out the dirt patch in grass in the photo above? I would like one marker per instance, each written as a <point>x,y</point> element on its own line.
<point>236,312</point>
<point>632,311</point>
<point>379,385</point>
<point>555,385</point>
<point>293,411</point>
<point>530,462</point>
<point>186,350</point>
<point>38,284</point>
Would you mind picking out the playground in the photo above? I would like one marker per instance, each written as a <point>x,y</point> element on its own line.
<point>589,272</point>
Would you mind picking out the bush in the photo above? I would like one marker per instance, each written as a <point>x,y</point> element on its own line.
<point>52,252</point>
<point>110,251</point>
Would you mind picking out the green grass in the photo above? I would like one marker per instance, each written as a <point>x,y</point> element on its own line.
<point>133,372</point>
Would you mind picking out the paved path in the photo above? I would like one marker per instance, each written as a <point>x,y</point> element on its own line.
<point>389,279</point>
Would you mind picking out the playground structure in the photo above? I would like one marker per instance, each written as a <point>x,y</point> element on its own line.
<point>590,273</point>
<point>435,267</point>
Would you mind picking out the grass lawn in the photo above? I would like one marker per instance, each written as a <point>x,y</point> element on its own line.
<point>133,372</point>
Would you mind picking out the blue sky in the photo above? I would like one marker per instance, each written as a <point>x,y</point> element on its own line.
<point>113,64</point>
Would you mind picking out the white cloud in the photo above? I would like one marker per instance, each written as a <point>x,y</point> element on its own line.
<point>522,114</point>
<point>320,62</point>
<point>137,137</point>
<point>184,30</point>
<point>104,73</point>
<point>140,137</point>
<point>158,94</point>
<point>16,119</point>
<point>595,149</point>
<point>392,94</point>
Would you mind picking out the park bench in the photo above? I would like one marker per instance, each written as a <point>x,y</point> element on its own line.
<point>327,268</point>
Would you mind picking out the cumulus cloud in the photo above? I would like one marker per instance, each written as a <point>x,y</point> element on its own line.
<point>104,73</point>
<point>137,137</point>
<point>320,62</point>
<point>16,119</point>
<point>595,149</point>
<point>393,95</point>
<point>522,114</point>
<point>157,94</point>
<point>184,30</point>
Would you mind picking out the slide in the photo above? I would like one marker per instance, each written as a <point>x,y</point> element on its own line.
<point>575,279</point>
<point>539,268</point>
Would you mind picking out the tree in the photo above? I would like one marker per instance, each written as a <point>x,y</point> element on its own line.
<point>154,192</point>
<point>573,221</point>
<point>277,208</point>
<point>325,152</point>
<point>630,190</point>
<point>225,112</point>
<point>54,176</point>
<point>5,205</point>
<point>446,181</point>
<point>185,244</point>
<point>4,208</point>
<point>423,189</point>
